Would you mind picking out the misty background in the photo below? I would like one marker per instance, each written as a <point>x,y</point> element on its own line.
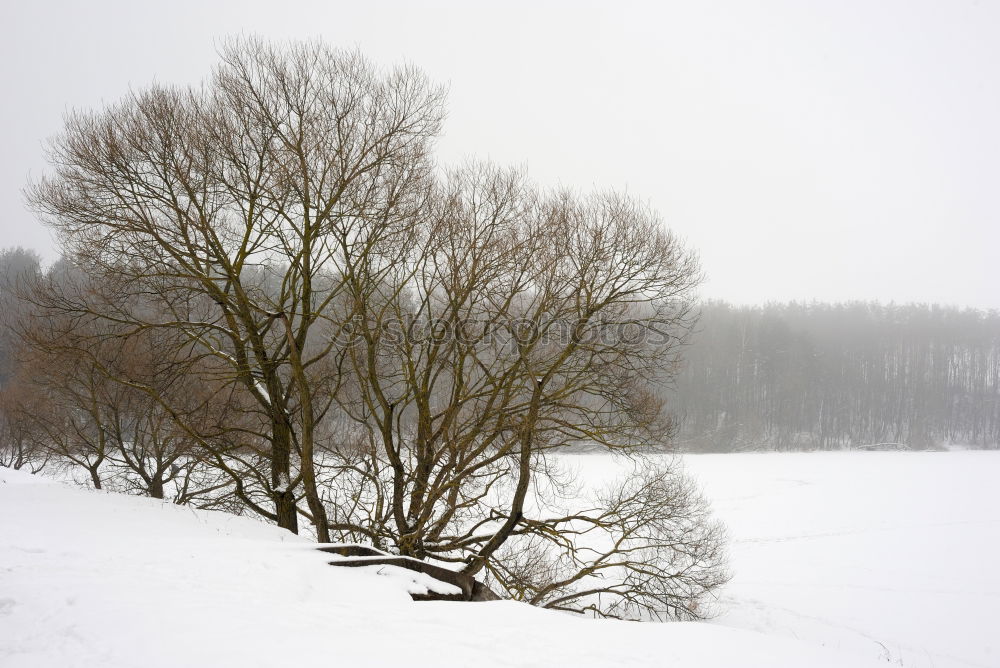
<point>842,155</point>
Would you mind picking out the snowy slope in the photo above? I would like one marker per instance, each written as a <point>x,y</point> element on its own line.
<point>889,555</point>
<point>93,579</point>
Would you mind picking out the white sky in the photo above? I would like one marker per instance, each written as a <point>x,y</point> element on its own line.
<point>808,150</point>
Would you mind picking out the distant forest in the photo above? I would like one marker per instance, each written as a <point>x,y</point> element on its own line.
<point>822,376</point>
<point>803,376</point>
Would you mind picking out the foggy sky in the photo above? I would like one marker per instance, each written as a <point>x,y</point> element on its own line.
<point>808,150</point>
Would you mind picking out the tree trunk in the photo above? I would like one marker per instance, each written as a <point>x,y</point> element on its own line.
<point>313,500</point>
<point>284,507</point>
<point>95,477</point>
<point>284,494</point>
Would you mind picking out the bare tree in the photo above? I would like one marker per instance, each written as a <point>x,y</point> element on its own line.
<point>72,422</point>
<point>404,351</point>
<point>644,548</point>
<point>224,206</point>
<point>513,325</point>
<point>136,410</point>
<point>22,444</point>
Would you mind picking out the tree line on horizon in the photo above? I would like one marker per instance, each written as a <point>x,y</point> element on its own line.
<point>806,376</point>
<point>820,376</point>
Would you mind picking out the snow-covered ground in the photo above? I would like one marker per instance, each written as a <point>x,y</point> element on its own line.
<point>888,555</point>
<point>845,559</point>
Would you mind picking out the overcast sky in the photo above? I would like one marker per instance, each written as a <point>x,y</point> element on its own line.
<point>808,150</point>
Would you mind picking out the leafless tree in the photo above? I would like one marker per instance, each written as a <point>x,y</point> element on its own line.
<point>225,205</point>
<point>644,548</point>
<point>402,350</point>
<point>515,324</point>
<point>81,394</point>
<point>72,423</point>
<point>21,443</point>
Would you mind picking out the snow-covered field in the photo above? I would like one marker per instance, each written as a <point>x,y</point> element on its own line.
<point>894,555</point>
<point>886,555</point>
<point>840,559</point>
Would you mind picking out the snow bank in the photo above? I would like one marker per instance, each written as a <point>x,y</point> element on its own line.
<point>93,579</point>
